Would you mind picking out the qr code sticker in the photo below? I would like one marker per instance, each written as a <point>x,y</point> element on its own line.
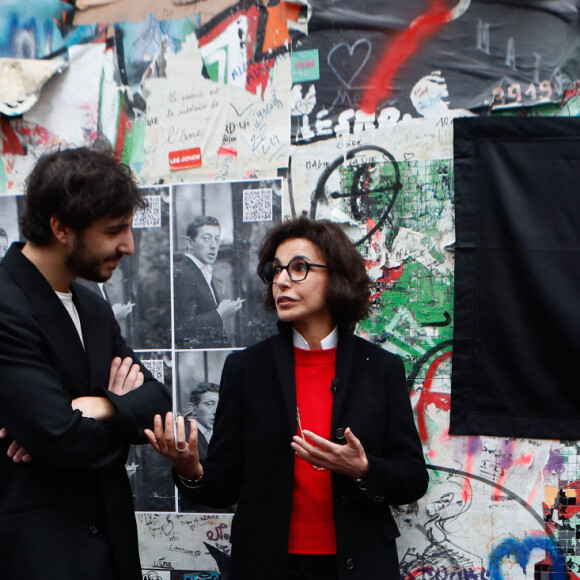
<point>257,205</point>
<point>150,215</point>
<point>155,367</point>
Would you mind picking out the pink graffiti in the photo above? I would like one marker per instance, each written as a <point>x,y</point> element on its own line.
<point>505,462</point>
<point>474,446</point>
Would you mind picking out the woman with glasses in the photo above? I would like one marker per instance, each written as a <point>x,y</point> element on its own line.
<point>314,434</point>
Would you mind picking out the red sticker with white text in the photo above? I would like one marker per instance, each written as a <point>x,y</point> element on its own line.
<point>185,159</point>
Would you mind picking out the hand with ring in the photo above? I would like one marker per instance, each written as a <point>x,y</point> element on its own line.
<point>349,459</point>
<point>170,441</point>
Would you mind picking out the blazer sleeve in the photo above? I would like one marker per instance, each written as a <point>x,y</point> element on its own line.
<point>36,409</point>
<point>136,409</point>
<point>35,406</point>
<point>397,475</point>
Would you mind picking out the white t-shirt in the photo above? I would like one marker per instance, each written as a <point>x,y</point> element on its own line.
<point>67,299</point>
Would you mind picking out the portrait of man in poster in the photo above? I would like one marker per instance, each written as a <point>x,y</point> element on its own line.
<point>200,311</point>
<point>217,231</point>
<point>197,395</point>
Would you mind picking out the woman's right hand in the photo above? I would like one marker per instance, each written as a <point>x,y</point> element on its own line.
<point>180,451</point>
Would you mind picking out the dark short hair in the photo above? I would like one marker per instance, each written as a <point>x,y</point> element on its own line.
<point>348,292</point>
<point>198,222</point>
<point>200,389</point>
<point>77,185</point>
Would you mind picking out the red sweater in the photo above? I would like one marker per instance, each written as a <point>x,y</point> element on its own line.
<point>312,520</point>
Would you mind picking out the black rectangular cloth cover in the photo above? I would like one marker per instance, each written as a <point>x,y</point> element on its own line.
<point>516,344</point>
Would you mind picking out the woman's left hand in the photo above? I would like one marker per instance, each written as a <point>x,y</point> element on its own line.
<point>179,449</point>
<point>349,459</point>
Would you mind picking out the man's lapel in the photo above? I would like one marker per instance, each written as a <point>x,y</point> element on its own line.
<point>52,316</point>
<point>284,364</point>
<point>63,335</point>
<point>216,294</point>
<point>96,330</point>
<point>344,356</point>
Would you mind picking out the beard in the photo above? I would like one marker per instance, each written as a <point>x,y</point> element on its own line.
<point>86,265</point>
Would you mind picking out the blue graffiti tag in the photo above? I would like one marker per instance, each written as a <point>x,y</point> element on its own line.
<point>522,550</point>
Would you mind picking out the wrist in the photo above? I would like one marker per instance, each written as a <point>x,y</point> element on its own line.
<point>191,481</point>
<point>94,407</point>
<point>362,472</point>
<point>189,472</point>
<point>108,410</point>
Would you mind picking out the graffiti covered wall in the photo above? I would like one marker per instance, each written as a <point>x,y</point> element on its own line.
<point>258,110</point>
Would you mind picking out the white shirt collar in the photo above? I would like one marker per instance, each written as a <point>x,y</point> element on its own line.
<point>207,433</point>
<point>201,265</point>
<point>327,342</point>
<point>206,269</point>
<point>67,300</point>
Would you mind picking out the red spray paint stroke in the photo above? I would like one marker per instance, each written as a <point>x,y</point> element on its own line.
<point>505,465</point>
<point>441,400</point>
<point>10,142</point>
<point>508,463</point>
<point>388,278</point>
<point>227,151</point>
<point>257,73</point>
<point>252,14</point>
<point>389,275</point>
<point>258,76</point>
<point>122,126</point>
<point>405,45</point>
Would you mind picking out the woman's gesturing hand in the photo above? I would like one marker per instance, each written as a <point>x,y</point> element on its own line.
<point>170,441</point>
<point>349,459</point>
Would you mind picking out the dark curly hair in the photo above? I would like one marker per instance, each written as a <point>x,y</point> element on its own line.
<point>198,222</point>
<point>79,186</point>
<point>348,289</point>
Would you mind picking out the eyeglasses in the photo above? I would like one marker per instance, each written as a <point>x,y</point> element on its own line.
<point>297,269</point>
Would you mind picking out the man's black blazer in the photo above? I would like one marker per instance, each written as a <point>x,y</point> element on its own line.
<point>68,514</point>
<point>250,460</point>
<point>197,322</point>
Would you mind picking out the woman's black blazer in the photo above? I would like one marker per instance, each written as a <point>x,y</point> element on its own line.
<point>250,461</point>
